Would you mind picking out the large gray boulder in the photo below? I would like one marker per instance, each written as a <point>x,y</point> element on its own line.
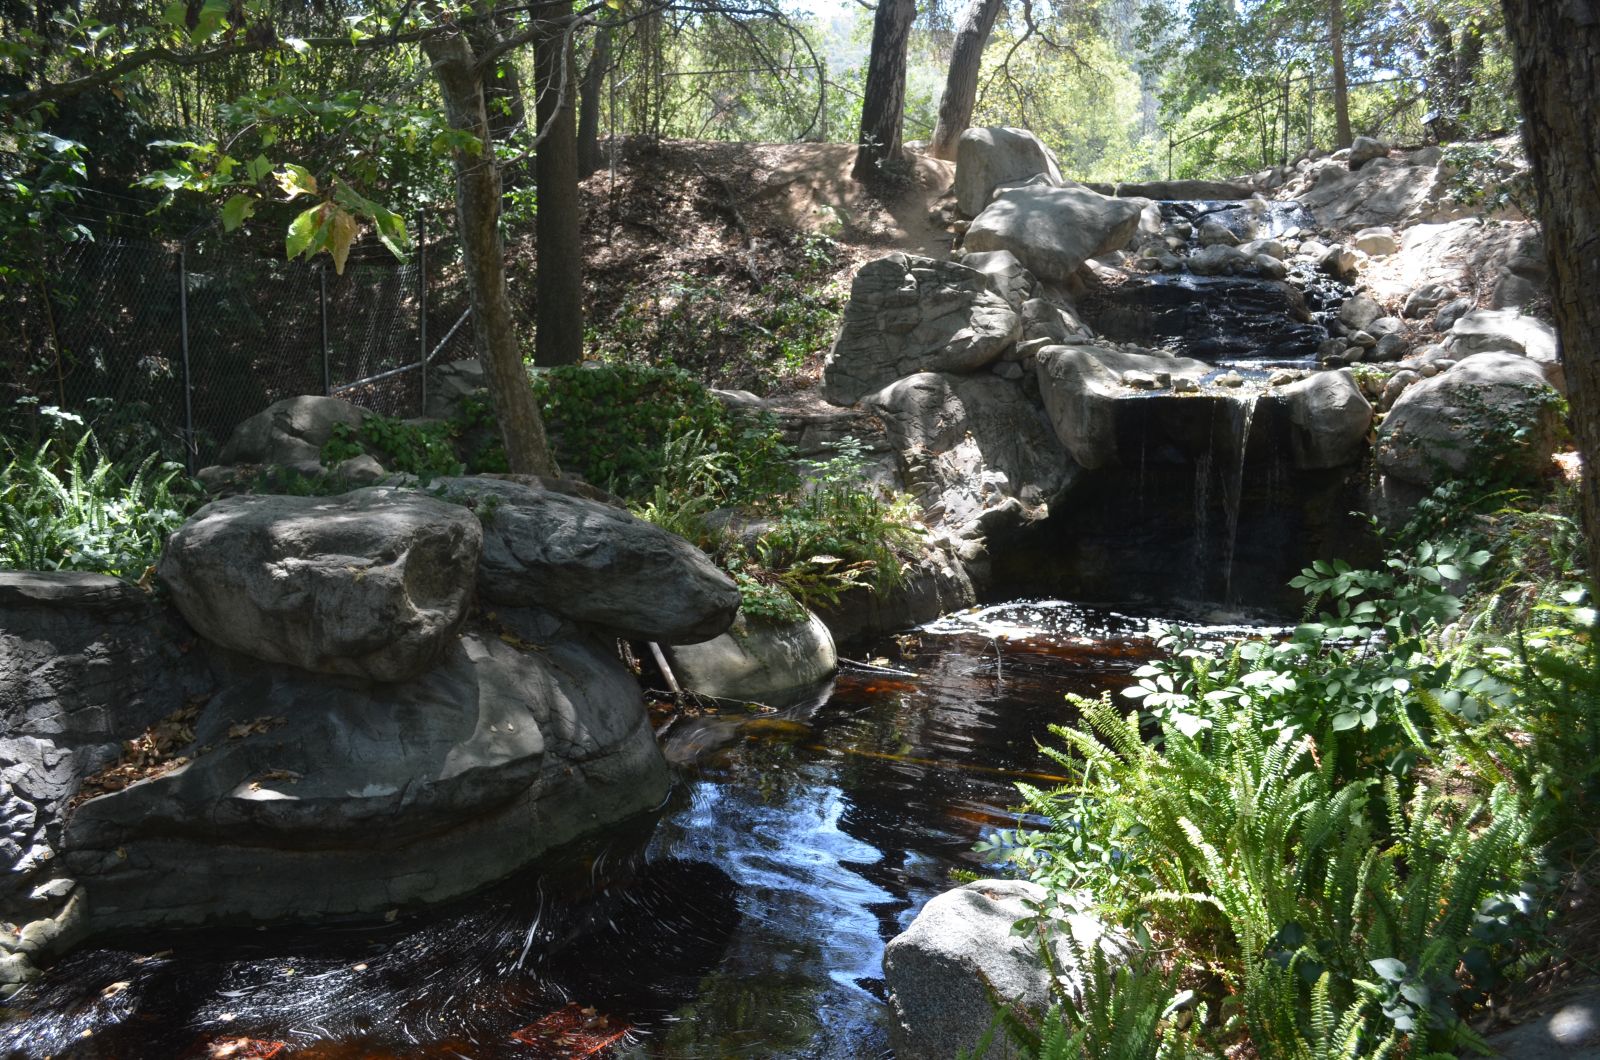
<point>1081,386</point>
<point>1509,331</point>
<point>303,797</point>
<point>1329,418</point>
<point>594,563</point>
<point>291,432</point>
<point>371,584</point>
<point>910,314</point>
<point>974,450</point>
<point>757,660</point>
<point>987,157</point>
<point>1053,231</point>
<point>1492,414</point>
<point>1365,149</point>
<point>940,970</point>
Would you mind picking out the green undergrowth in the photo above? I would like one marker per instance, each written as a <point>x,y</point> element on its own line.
<point>657,438</point>
<point>1340,841</point>
<point>68,505</point>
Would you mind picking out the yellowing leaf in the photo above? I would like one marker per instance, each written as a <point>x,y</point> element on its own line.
<point>341,231</point>
<point>296,180</point>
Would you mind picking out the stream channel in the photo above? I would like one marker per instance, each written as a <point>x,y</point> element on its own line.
<point>746,918</point>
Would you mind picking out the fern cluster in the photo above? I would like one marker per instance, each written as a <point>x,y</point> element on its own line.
<point>1332,836</point>
<point>65,505</point>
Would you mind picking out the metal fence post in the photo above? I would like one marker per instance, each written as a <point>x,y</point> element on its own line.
<point>322,307</point>
<point>183,341</point>
<point>422,307</point>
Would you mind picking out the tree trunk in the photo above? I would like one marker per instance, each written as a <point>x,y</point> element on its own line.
<point>590,157</point>
<point>1557,45</point>
<point>478,225</point>
<point>961,85</point>
<point>559,281</point>
<point>884,97</point>
<point>1341,81</point>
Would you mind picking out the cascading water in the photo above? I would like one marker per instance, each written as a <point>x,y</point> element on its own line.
<point>1243,409</point>
<point>1227,320</point>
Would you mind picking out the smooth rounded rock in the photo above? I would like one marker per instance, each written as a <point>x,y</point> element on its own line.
<point>290,432</point>
<point>757,659</point>
<point>1053,231</point>
<point>1329,418</point>
<point>594,564</point>
<point>942,969</point>
<point>369,584</point>
<point>1492,414</point>
<point>987,157</point>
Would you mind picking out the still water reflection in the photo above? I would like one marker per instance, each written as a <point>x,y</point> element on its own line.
<point>746,919</point>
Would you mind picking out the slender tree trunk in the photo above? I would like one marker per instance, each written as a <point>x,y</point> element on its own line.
<point>1341,81</point>
<point>559,282</point>
<point>1557,45</point>
<point>884,97</point>
<point>590,157</point>
<point>503,101</point>
<point>478,224</point>
<point>961,85</point>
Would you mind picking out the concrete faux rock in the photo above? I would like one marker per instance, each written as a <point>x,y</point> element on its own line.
<point>1053,231</point>
<point>975,451</point>
<point>757,659</point>
<point>941,969</point>
<point>1081,386</point>
<point>305,797</point>
<point>1329,418</point>
<point>594,564</point>
<point>1493,413</point>
<point>910,314</point>
<point>988,157</point>
<point>291,432</point>
<point>372,583</point>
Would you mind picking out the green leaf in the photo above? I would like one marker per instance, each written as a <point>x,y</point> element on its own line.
<point>1346,720</point>
<point>301,232</point>
<point>236,211</point>
<point>257,168</point>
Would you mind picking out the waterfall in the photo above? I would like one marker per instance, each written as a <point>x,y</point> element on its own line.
<point>1243,415</point>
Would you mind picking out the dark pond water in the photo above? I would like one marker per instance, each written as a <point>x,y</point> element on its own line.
<point>746,918</point>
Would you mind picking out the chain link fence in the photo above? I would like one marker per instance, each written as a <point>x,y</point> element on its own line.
<point>180,342</point>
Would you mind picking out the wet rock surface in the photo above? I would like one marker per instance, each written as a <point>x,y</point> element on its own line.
<point>307,799</point>
<point>757,660</point>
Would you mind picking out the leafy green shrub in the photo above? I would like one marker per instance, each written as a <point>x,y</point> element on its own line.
<point>614,425</point>
<point>68,506</point>
<point>424,449</point>
<point>837,533</point>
